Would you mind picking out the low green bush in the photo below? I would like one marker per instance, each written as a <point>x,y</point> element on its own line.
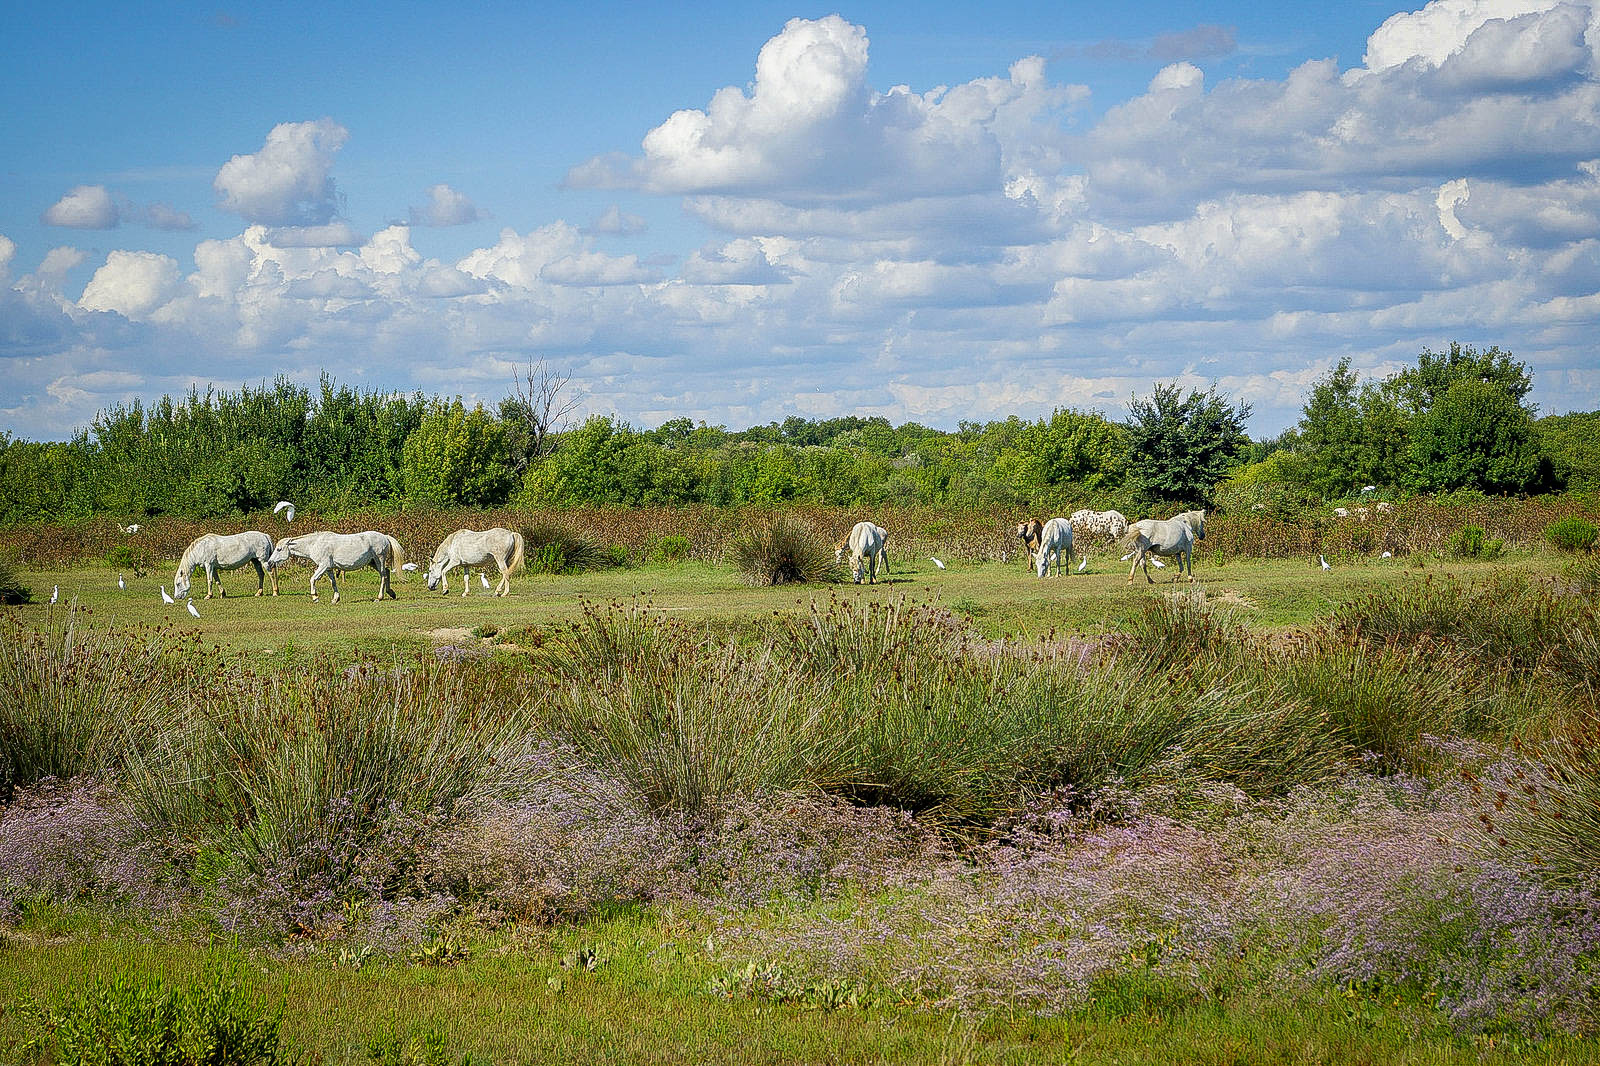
<point>142,1021</point>
<point>1473,543</point>
<point>555,549</point>
<point>1573,533</point>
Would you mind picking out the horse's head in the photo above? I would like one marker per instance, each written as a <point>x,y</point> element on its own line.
<point>1041,561</point>
<point>1197,522</point>
<point>281,552</point>
<point>436,572</point>
<point>180,585</point>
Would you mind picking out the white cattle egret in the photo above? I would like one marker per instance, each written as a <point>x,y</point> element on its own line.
<point>1083,564</point>
<point>1387,555</point>
<point>1156,562</point>
<point>483,579</point>
<point>937,563</point>
<point>1323,559</point>
<point>121,584</point>
<point>55,593</point>
<point>128,529</point>
<point>192,609</point>
<point>408,566</point>
<point>164,597</point>
<point>1369,488</point>
<point>285,505</point>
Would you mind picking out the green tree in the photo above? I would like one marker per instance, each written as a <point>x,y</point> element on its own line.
<point>1180,446</point>
<point>457,457</point>
<point>1477,436</point>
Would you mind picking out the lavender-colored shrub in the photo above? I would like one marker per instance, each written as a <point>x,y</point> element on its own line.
<point>65,842</point>
<point>1365,882</point>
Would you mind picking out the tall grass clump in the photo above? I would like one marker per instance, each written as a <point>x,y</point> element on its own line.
<point>1573,533</point>
<point>845,638</point>
<point>141,1020</point>
<point>687,723</point>
<point>1385,702</point>
<point>552,548</point>
<point>1176,631</point>
<point>74,698</point>
<point>1542,808</point>
<point>781,551</point>
<point>303,769</point>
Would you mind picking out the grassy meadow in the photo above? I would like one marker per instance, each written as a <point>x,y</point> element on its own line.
<point>650,813</point>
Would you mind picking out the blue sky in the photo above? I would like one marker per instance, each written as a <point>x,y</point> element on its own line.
<point>927,212</point>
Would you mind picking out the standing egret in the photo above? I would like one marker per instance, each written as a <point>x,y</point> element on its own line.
<point>1323,559</point>
<point>285,505</point>
<point>164,597</point>
<point>408,567</point>
<point>192,609</point>
<point>128,529</point>
<point>1387,555</point>
<point>1084,564</point>
<point>55,593</point>
<point>121,584</point>
<point>937,563</point>
<point>483,579</point>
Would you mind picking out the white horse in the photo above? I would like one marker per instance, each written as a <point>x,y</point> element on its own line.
<point>333,552</point>
<point>866,546</point>
<point>1169,537</point>
<point>468,547</point>
<point>216,552</point>
<point>1055,540</point>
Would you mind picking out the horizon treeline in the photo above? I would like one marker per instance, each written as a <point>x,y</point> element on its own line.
<point>1456,421</point>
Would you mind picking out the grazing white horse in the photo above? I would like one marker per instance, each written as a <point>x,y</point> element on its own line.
<point>866,546</point>
<point>1168,537</point>
<point>333,552</point>
<point>468,547</point>
<point>1055,539</point>
<point>216,552</point>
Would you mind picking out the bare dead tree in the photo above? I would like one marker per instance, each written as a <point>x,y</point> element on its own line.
<point>541,405</point>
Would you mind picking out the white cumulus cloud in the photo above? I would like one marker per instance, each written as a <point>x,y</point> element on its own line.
<point>445,207</point>
<point>85,207</point>
<point>133,284</point>
<point>288,182</point>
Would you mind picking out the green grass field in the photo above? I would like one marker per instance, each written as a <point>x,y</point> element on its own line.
<point>639,984</point>
<point>520,1000</point>
<point>1000,600</point>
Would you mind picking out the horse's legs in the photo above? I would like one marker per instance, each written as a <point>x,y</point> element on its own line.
<point>261,576</point>
<point>333,578</point>
<point>324,568</point>
<point>212,575</point>
<point>383,580</point>
<point>504,587</point>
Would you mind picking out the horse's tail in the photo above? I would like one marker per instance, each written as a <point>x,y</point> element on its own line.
<point>397,554</point>
<point>518,547</point>
<point>1128,537</point>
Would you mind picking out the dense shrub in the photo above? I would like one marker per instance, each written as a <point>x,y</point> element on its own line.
<point>1473,543</point>
<point>1572,533</point>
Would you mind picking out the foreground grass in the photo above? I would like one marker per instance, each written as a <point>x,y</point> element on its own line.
<point>520,999</point>
<point>999,599</point>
